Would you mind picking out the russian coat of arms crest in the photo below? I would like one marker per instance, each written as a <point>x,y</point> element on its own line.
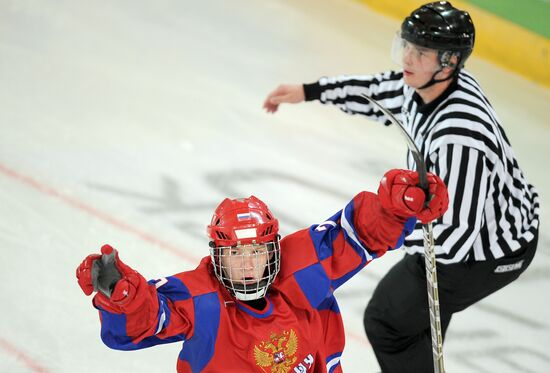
<point>277,354</point>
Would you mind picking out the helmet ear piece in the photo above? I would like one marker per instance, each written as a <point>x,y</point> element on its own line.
<point>449,59</point>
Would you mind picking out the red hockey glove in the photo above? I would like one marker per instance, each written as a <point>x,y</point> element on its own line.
<point>107,274</point>
<point>439,200</point>
<point>400,194</point>
<point>84,273</point>
<point>123,290</point>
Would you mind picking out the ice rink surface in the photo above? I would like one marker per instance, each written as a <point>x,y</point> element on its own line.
<point>127,122</point>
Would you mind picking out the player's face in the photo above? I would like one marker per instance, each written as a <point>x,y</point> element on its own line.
<point>245,264</point>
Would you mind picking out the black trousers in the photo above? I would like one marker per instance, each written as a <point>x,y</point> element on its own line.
<point>397,321</point>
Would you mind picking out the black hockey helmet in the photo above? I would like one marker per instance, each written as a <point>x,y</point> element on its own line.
<point>442,27</point>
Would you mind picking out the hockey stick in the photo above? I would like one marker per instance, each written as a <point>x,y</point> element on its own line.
<point>429,251</point>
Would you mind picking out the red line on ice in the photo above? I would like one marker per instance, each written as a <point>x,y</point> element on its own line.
<point>43,188</point>
<point>20,355</point>
<point>360,339</point>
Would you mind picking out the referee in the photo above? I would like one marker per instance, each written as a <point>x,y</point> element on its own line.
<point>488,236</point>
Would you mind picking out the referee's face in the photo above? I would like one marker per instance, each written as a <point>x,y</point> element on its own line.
<point>420,64</point>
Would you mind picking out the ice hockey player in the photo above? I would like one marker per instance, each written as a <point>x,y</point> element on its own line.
<point>258,303</point>
<point>489,234</point>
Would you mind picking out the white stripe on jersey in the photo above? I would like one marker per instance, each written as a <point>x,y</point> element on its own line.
<point>346,226</point>
<point>333,362</point>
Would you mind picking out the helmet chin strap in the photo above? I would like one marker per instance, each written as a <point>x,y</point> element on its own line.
<point>433,80</point>
<point>444,61</point>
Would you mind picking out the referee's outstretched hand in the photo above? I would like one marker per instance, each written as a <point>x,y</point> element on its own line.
<point>285,93</point>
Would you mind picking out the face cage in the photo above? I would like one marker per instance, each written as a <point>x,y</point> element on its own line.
<point>247,271</point>
<point>422,56</point>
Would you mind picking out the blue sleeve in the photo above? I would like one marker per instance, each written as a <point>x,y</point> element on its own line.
<point>341,248</point>
<point>146,327</point>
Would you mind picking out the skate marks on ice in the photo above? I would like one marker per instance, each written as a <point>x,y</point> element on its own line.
<point>170,201</point>
<point>172,198</point>
<point>509,316</point>
<point>491,348</point>
<point>503,359</point>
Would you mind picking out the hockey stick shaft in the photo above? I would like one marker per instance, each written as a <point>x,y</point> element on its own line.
<point>429,246</point>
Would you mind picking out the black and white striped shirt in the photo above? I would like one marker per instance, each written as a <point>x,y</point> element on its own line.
<point>493,211</point>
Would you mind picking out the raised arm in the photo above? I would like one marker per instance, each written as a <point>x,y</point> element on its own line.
<point>345,92</point>
<point>367,227</point>
<point>133,313</point>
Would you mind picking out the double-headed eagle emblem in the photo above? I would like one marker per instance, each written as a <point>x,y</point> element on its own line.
<point>277,353</point>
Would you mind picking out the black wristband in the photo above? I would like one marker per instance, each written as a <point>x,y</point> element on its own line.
<point>312,91</point>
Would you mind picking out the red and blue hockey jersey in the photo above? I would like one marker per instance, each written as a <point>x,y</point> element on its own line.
<point>299,330</point>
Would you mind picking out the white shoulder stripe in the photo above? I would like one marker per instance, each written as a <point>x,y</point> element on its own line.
<point>333,362</point>
<point>351,234</point>
<point>162,319</point>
